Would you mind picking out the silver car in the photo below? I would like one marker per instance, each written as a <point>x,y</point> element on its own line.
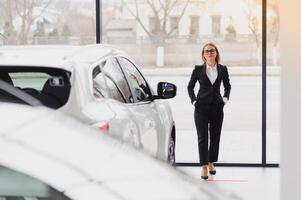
<point>47,156</point>
<point>99,85</point>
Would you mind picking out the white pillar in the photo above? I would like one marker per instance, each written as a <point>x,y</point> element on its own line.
<point>160,56</point>
<point>290,61</point>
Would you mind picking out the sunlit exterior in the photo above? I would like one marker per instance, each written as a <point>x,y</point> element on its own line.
<point>169,36</point>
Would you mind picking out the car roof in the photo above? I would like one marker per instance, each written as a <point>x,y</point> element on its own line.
<point>57,56</point>
<point>86,164</point>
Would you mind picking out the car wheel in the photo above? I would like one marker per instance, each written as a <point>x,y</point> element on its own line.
<point>171,151</point>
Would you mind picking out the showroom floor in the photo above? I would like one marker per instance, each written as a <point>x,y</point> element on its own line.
<point>241,135</point>
<point>247,183</point>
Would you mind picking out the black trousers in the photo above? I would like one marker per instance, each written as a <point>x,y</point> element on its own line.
<point>208,117</point>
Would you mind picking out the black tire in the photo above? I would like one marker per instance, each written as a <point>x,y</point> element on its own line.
<point>171,158</point>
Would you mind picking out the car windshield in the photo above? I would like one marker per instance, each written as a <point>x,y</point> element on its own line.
<point>50,86</point>
<point>18,186</point>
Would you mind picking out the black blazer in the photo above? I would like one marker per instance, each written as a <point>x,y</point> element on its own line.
<point>208,93</point>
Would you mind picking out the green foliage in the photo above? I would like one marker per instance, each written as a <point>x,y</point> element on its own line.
<point>66,31</point>
<point>54,33</point>
<point>9,31</point>
<point>9,34</point>
<point>40,31</point>
<point>231,29</point>
<point>231,33</point>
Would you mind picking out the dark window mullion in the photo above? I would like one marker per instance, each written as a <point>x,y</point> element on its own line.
<point>264,79</point>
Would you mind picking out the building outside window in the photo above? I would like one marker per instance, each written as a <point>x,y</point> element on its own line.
<point>194,27</point>
<point>216,25</point>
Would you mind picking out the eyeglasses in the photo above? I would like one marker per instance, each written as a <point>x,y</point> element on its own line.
<point>210,51</point>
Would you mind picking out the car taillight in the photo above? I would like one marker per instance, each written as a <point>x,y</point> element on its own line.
<point>104,126</point>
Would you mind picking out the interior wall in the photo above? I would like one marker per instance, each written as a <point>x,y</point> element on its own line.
<point>290,47</point>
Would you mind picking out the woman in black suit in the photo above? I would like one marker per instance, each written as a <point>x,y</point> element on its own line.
<point>209,104</point>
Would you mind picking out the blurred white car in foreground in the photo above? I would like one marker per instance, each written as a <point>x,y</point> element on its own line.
<point>99,85</point>
<point>46,156</point>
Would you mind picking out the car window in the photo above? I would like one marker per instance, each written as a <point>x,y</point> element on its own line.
<point>15,185</point>
<point>50,86</point>
<point>104,86</point>
<point>115,74</point>
<point>29,79</point>
<point>136,81</point>
<point>10,94</point>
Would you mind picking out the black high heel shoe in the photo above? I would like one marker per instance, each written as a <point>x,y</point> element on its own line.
<point>204,177</point>
<point>212,172</point>
<point>204,171</point>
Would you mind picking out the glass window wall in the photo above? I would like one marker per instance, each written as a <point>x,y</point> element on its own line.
<point>38,22</point>
<point>175,47</point>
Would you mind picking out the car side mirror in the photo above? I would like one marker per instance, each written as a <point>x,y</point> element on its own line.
<point>166,90</point>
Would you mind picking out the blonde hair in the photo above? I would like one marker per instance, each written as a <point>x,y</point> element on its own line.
<point>217,59</point>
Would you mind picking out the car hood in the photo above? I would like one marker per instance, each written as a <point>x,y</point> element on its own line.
<point>85,164</point>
